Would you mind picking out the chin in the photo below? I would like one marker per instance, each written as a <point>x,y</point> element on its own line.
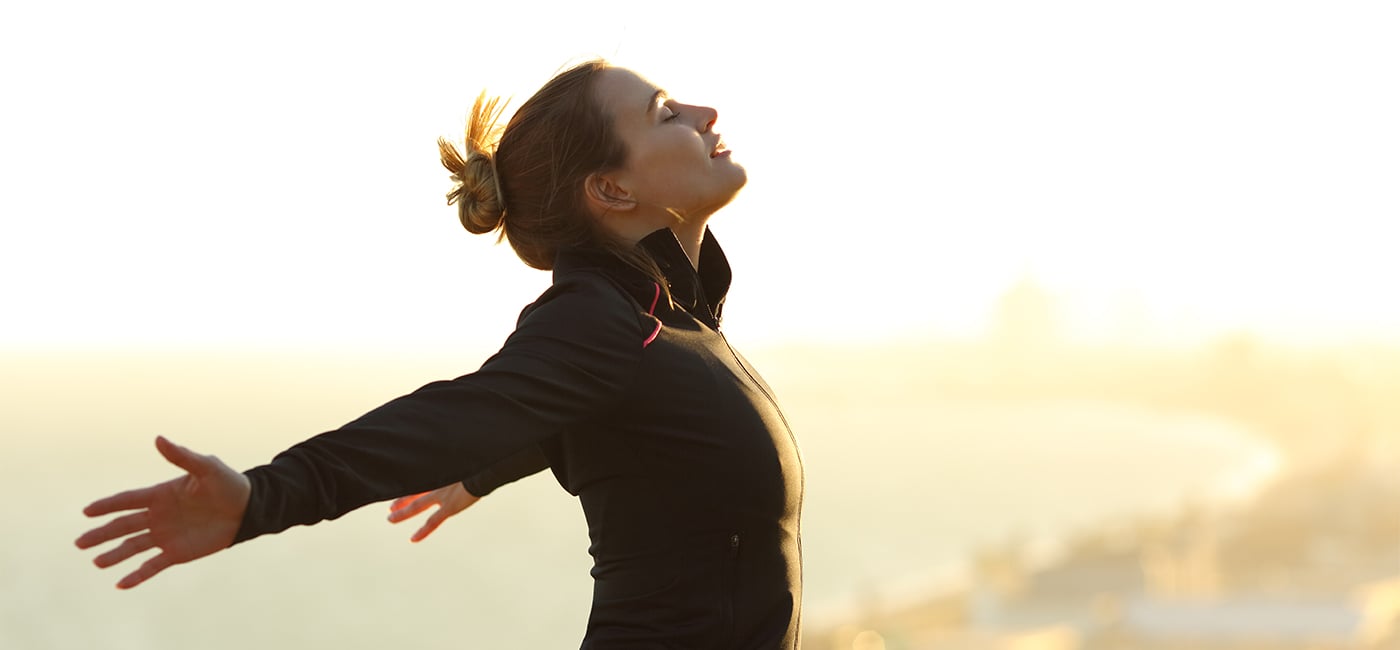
<point>720,194</point>
<point>741,177</point>
<point>726,199</point>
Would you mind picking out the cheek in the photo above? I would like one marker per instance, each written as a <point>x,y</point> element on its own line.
<point>677,164</point>
<point>677,150</point>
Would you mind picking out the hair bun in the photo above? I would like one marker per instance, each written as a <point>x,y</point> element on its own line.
<point>479,204</point>
<point>476,190</point>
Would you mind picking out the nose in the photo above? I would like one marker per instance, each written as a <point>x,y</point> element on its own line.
<point>708,116</point>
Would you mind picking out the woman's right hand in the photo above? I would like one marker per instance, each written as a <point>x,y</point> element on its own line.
<point>187,518</point>
<point>450,500</point>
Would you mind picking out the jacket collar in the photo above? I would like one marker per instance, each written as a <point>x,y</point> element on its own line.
<point>701,292</point>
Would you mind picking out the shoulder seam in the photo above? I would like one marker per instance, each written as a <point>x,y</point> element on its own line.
<point>642,325</point>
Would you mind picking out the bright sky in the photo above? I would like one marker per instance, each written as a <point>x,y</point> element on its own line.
<point>265,174</point>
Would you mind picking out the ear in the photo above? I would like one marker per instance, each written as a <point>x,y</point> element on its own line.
<point>605,194</point>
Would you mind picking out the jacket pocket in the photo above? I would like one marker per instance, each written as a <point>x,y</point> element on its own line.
<point>730,586</point>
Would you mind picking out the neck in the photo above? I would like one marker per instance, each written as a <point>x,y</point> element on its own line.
<point>691,234</point>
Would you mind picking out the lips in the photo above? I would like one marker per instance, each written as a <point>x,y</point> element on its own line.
<point>719,149</point>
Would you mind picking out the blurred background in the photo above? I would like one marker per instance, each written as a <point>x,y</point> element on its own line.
<point>1083,312</point>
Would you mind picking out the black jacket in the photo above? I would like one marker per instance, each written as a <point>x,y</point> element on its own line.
<point>687,472</point>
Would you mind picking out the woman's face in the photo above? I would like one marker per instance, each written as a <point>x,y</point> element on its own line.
<point>675,159</point>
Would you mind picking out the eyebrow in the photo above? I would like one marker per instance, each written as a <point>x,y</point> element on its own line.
<point>654,96</point>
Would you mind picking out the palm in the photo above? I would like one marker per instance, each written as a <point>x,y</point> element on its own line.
<point>186,518</point>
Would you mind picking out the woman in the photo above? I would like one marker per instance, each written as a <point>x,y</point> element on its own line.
<point>617,378</point>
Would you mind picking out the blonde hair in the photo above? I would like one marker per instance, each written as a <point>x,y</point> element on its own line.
<point>481,205</point>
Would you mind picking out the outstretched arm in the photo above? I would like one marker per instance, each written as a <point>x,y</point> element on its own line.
<point>186,518</point>
<point>572,357</point>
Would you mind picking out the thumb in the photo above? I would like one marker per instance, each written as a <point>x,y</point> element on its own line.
<point>181,457</point>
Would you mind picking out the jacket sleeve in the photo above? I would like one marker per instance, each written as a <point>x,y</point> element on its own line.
<point>571,358</point>
<point>512,468</point>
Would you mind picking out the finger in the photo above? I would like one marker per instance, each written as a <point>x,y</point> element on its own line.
<point>181,457</point>
<point>412,509</point>
<point>128,500</point>
<point>431,525</point>
<point>129,547</point>
<point>403,501</point>
<point>114,529</point>
<point>148,569</point>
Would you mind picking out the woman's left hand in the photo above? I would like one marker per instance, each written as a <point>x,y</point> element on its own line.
<point>449,499</point>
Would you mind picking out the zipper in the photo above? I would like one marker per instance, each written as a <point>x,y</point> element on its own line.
<point>713,322</point>
<point>773,402</point>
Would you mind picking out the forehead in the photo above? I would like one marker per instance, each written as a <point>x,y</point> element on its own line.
<point>624,93</point>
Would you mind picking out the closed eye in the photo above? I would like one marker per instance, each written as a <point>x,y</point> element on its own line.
<point>673,113</point>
